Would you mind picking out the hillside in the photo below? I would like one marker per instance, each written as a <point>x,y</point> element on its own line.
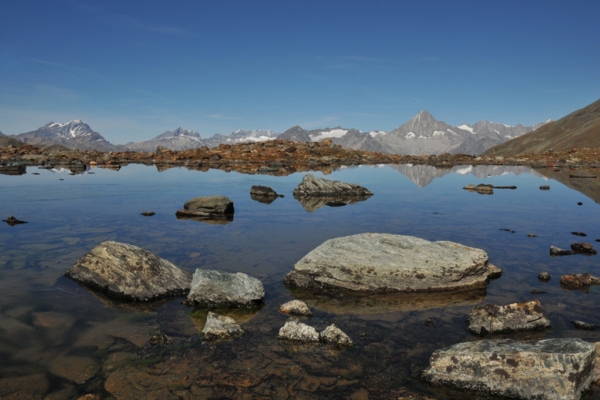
<point>577,130</point>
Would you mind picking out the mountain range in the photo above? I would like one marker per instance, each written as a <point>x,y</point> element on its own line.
<point>578,129</point>
<point>422,134</point>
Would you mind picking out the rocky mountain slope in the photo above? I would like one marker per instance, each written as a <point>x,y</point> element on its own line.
<point>422,134</point>
<point>178,139</point>
<point>73,134</point>
<point>577,130</point>
<point>241,136</point>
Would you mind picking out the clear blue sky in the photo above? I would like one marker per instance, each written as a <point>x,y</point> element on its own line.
<point>133,69</point>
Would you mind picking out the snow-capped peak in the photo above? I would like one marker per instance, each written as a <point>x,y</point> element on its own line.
<point>467,128</point>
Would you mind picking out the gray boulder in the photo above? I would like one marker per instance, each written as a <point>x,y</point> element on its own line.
<point>550,369</point>
<point>379,262</point>
<point>265,191</point>
<point>334,335</point>
<point>295,307</point>
<point>311,186</point>
<point>207,207</point>
<point>128,272</point>
<point>490,318</point>
<point>296,330</point>
<point>220,327</point>
<point>222,289</point>
<point>482,188</point>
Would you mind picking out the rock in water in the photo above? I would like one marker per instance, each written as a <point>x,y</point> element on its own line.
<point>311,186</point>
<point>550,369</point>
<point>295,307</point>
<point>219,327</point>
<point>544,276</point>
<point>207,207</point>
<point>379,262</point>
<point>578,281</point>
<point>263,191</point>
<point>128,272</point>
<point>557,251</point>
<point>583,248</point>
<point>490,318</point>
<point>296,330</point>
<point>221,289</point>
<point>482,188</point>
<point>12,221</point>
<point>334,335</point>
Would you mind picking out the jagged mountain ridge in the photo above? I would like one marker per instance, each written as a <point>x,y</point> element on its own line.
<point>579,129</point>
<point>240,136</point>
<point>178,139</point>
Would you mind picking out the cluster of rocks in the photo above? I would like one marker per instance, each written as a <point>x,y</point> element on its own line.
<point>576,248</point>
<point>276,156</point>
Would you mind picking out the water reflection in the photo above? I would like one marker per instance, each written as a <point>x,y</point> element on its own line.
<point>213,219</point>
<point>313,203</point>
<point>588,187</point>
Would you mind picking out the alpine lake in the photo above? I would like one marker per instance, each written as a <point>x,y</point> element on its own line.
<point>59,340</point>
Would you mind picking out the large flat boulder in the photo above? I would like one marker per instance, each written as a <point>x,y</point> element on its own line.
<point>549,369</point>
<point>490,318</point>
<point>312,186</point>
<point>128,272</point>
<point>207,207</point>
<point>212,288</point>
<point>380,262</point>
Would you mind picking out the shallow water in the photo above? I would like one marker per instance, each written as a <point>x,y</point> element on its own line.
<point>59,339</point>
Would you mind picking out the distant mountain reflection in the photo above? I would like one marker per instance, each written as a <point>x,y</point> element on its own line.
<point>423,175</point>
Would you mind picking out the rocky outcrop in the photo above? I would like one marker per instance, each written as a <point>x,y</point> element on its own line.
<point>209,207</point>
<point>222,289</point>
<point>296,330</point>
<point>578,281</point>
<point>334,335</point>
<point>128,272</point>
<point>490,318</point>
<point>319,187</point>
<point>550,369</point>
<point>379,262</point>
<point>481,188</point>
<point>295,307</point>
<point>219,327</point>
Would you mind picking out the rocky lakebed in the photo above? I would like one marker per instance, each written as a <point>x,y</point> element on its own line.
<point>372,282</point>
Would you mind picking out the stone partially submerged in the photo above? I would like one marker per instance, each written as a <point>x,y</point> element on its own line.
<point>128,272</point>
<point>222,289</point>
<point>549,369</point>
<point>312,186</point>
<point>220,327</point>
<point>296,330</point>
<point>334,335</point>
<point>209,207</point>
<point>379,262</point>
<point>295,307</point>
<point>490,318</point>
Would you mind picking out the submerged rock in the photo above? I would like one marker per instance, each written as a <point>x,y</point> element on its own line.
<point>545,187</point>
<point>556,251</point>
<point>220,327</point>
<point>578,281</point>
<point>584,325</point>
<point>549,369</point>
<point>334,335</point>
<point>544,276</point>
<point>148,213</point>
<point>222,289</point>
<point>312,186</point>
<point>490,318</point>
<point>128,272</point>
<point>12,221</point>
<point>296,330</point>
<point>295,307</point>
<point>583,248</point>
<point>207,207</point>
<point>379,262</point>
<point>579,234</point>
<point>481,188</point>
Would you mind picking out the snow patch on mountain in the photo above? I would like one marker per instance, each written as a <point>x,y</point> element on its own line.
<point>467,128</point>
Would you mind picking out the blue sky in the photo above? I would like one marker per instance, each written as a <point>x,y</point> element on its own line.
<point>134,69</point>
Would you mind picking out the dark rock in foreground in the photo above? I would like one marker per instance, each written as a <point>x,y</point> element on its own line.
<point>219,327</point>
<point>490,318</point>
<point>222,289</point>
<point>207,207</point>
<point>148,213</point>
<point>312,186</point>
<point>378,262</point>
<point>578,281</point>
<point>550,369</point>
<point>295,307</point>
<point>128,272</point>
<point>12,221</point>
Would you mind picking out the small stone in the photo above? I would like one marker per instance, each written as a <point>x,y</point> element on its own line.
<point>161,338</point>
<point>481,188</point>
<point>544,276</point>
<point>580,204</point>
<point>545,187</point>
<point>578,281</point>
<point>578,234</point>
<point>531,235</point>
<point>295,307</point>
<point>583,248</point>
<point>556,251</point>
<point>584,325</point>
<point>490,318</point>
<point>12,221</point>
<point>334,335</point>
<point>148,213</point>
<point>430,323</point>
<point>220,327</point>
<point>296,330</point>
<point>537,291</point>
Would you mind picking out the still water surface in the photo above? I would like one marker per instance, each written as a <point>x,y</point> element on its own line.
<point>60,340</point>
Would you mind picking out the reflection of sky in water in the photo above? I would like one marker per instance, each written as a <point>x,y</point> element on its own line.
<point>68,218</point>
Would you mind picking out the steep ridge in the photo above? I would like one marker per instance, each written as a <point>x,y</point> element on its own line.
<point>577,130</point>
